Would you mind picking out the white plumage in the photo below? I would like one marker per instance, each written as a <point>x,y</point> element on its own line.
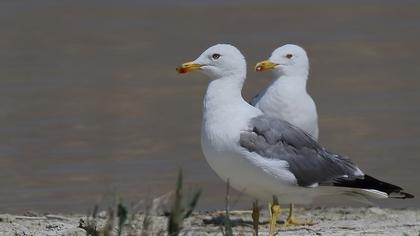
<point>263,156</point>
<point>286,97</point>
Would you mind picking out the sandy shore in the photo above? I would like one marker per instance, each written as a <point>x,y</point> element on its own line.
<point>329,221</point>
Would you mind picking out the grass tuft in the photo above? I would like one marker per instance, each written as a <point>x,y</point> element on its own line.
<point>119,216</point>
<point>182,207</point>
<point>115,221</point>
<point>90,224</point>
<point>122,214</point>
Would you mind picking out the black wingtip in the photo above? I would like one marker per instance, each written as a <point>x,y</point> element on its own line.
<point>401,195</point>
<point>368,182</point>
<point>407,195</point>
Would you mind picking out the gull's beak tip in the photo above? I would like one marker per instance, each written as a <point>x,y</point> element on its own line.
<point>265,65</point>
<point>181,70</point>
<point>187,67</point>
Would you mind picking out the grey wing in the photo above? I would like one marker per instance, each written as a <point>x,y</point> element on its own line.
<point>308,161</point>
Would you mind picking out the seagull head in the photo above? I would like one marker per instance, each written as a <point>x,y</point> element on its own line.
<point>288,60</point>
<point>216,62</point>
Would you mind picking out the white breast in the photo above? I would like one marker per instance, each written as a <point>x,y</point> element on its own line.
<point>291,103</point>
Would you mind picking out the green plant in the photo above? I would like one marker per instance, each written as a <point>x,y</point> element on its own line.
<point>91,223</point>
<point>181,207</point>
<point>120,220</point>
<point>122,217</point>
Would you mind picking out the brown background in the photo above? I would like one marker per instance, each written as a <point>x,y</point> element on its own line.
<point>91,104</point>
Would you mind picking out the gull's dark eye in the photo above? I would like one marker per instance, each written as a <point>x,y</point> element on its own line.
<point>289,56</point>
<point>215,56</point>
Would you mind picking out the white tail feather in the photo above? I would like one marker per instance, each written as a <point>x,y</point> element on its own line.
<point>372,193</point>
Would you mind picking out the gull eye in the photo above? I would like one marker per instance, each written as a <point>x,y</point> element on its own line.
<point>289,56</point>
<point>215,56</point>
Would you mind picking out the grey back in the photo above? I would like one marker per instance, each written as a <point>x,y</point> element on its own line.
<point>309,162</point>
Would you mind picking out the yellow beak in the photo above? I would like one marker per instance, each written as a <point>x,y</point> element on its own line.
<point>187,67</point>
<point>265,65</point>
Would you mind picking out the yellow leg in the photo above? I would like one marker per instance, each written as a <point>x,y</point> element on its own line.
<point>290,218</point>
<point>291,221</point>
<point>255,217</point>
<point>274,212</point>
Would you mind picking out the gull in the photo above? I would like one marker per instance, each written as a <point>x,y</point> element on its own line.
<point>266,157</point>
<point>286,97</point>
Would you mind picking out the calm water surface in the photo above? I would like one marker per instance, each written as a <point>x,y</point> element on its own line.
<point>91,103</point>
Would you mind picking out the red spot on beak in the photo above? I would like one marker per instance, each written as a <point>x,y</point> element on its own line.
<point>181,70</point>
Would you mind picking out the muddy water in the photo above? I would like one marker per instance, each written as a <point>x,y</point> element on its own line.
<point>91,104</point>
